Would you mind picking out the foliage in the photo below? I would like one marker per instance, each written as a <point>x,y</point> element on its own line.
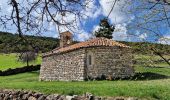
<point>27,57</point>
<point>105,29</point>
<point>8,43</point>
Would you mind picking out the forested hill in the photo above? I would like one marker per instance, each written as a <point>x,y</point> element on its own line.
<point>47,43</point>
<point>8,43</point>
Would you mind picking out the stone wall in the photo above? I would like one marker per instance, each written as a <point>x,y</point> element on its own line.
<point>30,95</point>
<point>115,62</point>
<point>65,67</point>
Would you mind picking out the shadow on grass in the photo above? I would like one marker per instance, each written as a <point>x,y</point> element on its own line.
<point>138,76</point>
<point>20,70</point>
<point>148,76</point>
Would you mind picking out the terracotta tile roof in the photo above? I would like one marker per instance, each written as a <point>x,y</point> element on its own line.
<point>90,43</point>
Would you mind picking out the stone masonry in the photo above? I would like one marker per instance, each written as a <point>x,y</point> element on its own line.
<point>110,61</point>
<point>7,94</point>
<point>72,66</point>
<point>64,67</point>
<point>87,60</point>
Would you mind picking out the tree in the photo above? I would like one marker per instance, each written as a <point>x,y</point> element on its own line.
<point>34,16</point>
<point>105,30</point>
<point>153,18</point>
<point>27,57</point>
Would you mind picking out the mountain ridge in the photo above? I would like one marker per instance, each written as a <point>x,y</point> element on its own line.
<point>48,43</point>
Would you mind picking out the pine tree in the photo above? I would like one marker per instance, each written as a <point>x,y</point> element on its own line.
<point>105,29</point>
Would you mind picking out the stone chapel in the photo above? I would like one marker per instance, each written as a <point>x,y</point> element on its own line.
<point>92,59</point>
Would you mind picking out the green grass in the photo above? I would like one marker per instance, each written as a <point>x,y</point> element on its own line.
<point>162,71</point>
<point>151,60</point>
<point>149,89</point>
<point>10,61</point>
<point>159,89</point>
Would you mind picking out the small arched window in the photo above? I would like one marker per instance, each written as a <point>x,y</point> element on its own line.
<point>90,59</point>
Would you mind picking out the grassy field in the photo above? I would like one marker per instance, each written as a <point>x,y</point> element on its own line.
<point>151,61</point>
<point>10,61</point>
<point>149,89</point>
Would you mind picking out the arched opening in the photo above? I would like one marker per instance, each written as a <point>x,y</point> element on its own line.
<point>90,59</point>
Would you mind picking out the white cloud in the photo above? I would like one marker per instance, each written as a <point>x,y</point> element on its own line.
<point>120,32</point>
<point>9,9</point>
<point>120,28</point>
<point>164,40</point>
<point>79,34</point>
<point>83,36</point>
<point>92,10</point>
<point>3,5</point>
<point>117,16</point>
<point>61,29</point>
<point>95,28</point>
<point>2,2</point>
<point>143,36</point>
<point>97,12</point>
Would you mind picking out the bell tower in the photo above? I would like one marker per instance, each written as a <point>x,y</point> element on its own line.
<point>66,38</point>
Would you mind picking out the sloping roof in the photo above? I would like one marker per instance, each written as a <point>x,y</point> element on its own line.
<point>101,41</point>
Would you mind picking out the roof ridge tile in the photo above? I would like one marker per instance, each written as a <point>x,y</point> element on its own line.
<point>100,41</point>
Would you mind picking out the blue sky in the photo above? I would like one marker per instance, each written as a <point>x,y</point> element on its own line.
<point>126,23</point>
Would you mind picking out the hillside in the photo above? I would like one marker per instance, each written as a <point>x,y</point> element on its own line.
<point>144,47</point>
<point>8,44</point>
